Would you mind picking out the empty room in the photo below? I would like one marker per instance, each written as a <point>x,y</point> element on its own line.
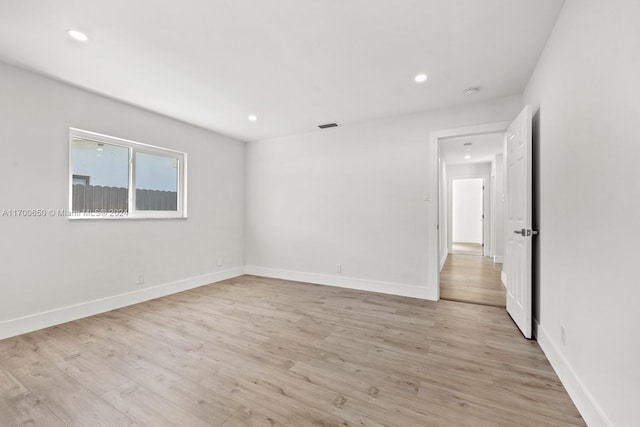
<point>319,213</point>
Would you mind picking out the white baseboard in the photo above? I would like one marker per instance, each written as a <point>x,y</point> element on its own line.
<point>503,278</point>
<point>414,291</point>
<point>592,413</point>
<point>443,260</point>
<point>22,325</point>
<point>498,259</point>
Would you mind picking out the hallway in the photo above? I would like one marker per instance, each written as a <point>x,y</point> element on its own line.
<point>472,278</point>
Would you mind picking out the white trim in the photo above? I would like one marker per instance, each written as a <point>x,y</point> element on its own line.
<point>503,278</point>
<point>498,259</point>
<point>443,259</point>
<point>114,140</point>
<point>592,413</point>
<point>400,289</point>
<point>22,325</point>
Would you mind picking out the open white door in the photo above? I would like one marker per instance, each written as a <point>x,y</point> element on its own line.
<point>518,251</point>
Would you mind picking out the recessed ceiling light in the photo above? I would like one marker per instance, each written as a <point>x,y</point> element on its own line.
<point>472,91</point>
<point>78,35</point>
<point>467,157</point>
<point>420,78</point>
<point>252,117</point>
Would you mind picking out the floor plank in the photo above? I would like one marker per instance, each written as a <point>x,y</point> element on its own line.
<point>253,351</point>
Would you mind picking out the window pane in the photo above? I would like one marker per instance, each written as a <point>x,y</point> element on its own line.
<point>103,169</point>
<point>100,177</point>
<point>156,182</point>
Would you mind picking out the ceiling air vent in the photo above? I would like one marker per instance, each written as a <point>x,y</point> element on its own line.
<point>328,125</point>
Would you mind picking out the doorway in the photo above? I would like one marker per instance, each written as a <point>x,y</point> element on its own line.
<point>469,248</point>
<point>467,216</point>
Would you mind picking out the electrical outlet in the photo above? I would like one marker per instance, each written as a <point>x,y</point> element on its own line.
<point>140,279</point>
<point>562,334</point>
<point>338,268</point>
<point>220,261</point>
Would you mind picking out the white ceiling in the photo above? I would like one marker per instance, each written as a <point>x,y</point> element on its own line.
<point>483,148</point>
<point>293,63</point>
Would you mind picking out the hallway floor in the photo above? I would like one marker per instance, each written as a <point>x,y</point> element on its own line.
<point>472,278</point>
<point>467,248</point>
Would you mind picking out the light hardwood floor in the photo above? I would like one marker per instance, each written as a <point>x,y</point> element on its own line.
<point>471,278</point>
<point>466,248</point>
<point>263,352</point>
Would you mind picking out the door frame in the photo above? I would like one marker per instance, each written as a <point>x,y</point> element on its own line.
<point>433,245</point>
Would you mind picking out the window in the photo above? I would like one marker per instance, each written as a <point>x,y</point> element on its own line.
<point>103,170</point>
<point>81,179</point>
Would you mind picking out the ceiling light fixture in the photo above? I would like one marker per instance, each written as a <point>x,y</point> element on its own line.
<point>420,78</point>
<point>467,157</point>
<point>472,91</point>
<point>78,36</point>
<point>252,117</point>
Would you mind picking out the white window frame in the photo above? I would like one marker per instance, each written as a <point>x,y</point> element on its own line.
<point>133,147</point>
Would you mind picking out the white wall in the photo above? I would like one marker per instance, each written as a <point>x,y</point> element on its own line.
<point>586,98</point>
<point>354,196</point>
<point>65,268</point>
<point>498,208</point>
<point>466,210</point>
<point>492,217</point>
<point>469,170</point>
<point>443,214</point>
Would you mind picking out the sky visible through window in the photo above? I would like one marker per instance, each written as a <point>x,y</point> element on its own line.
<point>108,166</point>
